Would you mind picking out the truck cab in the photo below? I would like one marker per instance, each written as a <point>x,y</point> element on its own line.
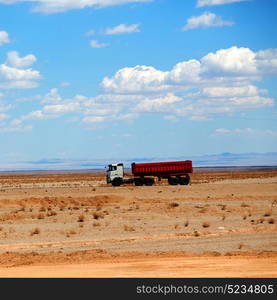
<point>115,173</point>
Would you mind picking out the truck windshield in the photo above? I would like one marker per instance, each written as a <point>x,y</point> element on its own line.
<point>112,168</point>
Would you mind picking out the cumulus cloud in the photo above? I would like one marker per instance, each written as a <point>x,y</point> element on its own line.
<point>16,74</point>
<point>50,6</point>
<point>122,29</point>
<point>201,3</point>
<point>96,44</point>
<point>15,61</point>
<point>218,83</point>
<point>206,20</point>
<point>4,38</point>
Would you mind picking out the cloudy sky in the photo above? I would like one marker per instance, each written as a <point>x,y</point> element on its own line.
<point>137,78</point>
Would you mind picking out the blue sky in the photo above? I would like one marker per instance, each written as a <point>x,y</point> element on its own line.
<point>137,78</point>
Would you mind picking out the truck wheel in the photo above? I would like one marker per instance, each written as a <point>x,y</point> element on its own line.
<point>184,180</point>
<point>116,182</point>
<point>173,180</point>
<point>148,181</point>
<point>138,182</point>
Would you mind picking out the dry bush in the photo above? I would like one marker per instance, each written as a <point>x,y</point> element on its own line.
<point>62,207</point>
<point>271,221</point>
<point>96,224</point>
<point>81,225</point>
<point>76,207</point>
<point>203,210</point>
<point>176,226</point>
<point>196,233</point>
<point>244,217</point>
<point>42,209</point>
<point>223,218</point>
<point>268,213</point>
<point>81,218</point>
<point>206,224</point>
<point>35,231</point>
<point>98,215</point>
<point>1,228</point>
<point>41,216</point>
<point>261,220</point>
<point>51,213</point>
<point>173,204</point>
<point>223,207</point>
<point>240,246</point>
<point>186,224</point>
<point>49,208</point>
<point>128,228</point>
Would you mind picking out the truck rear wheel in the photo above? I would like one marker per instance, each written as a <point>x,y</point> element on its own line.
<point>148,181</point>
<point>173,180</point>
<point>138,182</point>
<point>116,182</point>
<point>184,180</point>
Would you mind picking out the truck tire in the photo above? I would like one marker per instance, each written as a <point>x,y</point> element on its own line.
<point>184,180</point>
<point>116,182</point>
<point>138,181</point>
<point>148,181</point>
<point>173,180</point>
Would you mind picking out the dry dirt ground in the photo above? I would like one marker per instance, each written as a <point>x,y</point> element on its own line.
<point>224,224</point>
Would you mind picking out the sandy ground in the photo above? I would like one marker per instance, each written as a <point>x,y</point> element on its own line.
<point>222,225</point>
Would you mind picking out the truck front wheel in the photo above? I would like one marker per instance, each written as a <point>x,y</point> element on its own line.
<point>116,182</point>
<point>138,181</point>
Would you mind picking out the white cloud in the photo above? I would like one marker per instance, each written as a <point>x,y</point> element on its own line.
<point>157,104</point>
<point>15,74</point>
<point>206,20</point>
<point>15,61</point>
<point>96,44</point>
<point>219,83</point>
<point>4,38</point>
<point>51,97</point>
<point>55,6</point>
<point>94,119</point>
<point>122,29</point>
<point>201,3</point>
<point>245,131</point>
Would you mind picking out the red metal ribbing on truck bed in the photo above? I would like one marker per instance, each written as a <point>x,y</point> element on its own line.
<point>162,168</point>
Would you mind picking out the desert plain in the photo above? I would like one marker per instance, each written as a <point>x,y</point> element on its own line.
<point>72,224</point>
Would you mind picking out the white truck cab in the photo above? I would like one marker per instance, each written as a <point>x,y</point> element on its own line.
<point>115,173</point>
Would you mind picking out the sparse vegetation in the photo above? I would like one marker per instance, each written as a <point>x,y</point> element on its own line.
<point>97,215</point>
<point>128,228</point>
<point>206,224</point>
<point>271,221</point>
<point>35,231</point>
<point>268,213</point>
<point>196,233</point>
<point>81,218</point>
<point>186,224</point>
<point>173,204</point>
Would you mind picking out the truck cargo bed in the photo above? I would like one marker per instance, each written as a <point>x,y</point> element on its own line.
<point>162,169</point>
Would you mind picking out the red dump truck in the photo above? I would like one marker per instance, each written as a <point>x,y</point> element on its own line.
<point>176,172</point>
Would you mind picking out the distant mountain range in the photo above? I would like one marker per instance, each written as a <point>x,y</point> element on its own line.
<point>214,160</point>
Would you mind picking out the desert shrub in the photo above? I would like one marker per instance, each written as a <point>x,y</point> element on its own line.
<point>97,215</point>
<point>196,233</point>
<point>41,216</point>
<point>268,213</point>
<point>244,205</point>
<point>186,224</point>
<point>128,228</point>
<point>42,209</point>
<point>96,224</point>
<point>176,226</point>
<point>173,204</point>
<point>51,213</point>
<point>271,221</point>
<point>35,231</point>
<point>81,218</point>
<point>206,224</point>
